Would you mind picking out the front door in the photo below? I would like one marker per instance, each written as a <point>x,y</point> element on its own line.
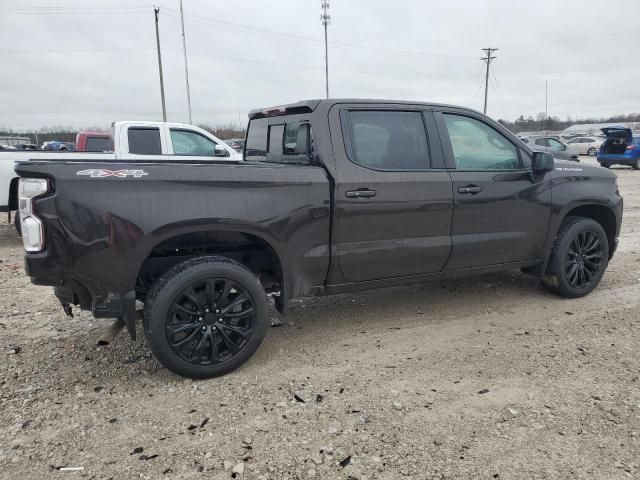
<point>501,208</point>
<point>392,206</point>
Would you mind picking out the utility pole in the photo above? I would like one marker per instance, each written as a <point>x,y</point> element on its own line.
<point>326,18</point>
<point>488,60</point>
<point>186,68</point>
<point>156,11</point>
<point>546,106</point>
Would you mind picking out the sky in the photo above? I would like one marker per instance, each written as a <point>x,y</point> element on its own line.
<point>83,63</point>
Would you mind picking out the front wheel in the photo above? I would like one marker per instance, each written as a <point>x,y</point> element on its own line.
<point>592,152</point>
<point>205,317</point>
<point>579,258</point>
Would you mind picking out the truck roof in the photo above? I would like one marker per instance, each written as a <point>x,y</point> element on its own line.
<point>308,106</point>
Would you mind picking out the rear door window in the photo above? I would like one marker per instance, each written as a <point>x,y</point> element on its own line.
<point>144,141</point>
<point>388,140</point>
<point>542,142</point>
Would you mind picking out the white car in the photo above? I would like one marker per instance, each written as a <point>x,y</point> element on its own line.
<point>171,142</point>
<point>586,145</point>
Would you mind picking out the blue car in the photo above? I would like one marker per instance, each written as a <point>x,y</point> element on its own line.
<point>620,148</point>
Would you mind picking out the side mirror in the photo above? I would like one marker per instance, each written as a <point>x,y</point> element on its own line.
<point>564,147</point>
<point>542,162</point>
<point>220,151</point>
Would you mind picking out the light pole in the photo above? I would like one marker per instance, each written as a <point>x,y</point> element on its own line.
<point>326,18</point>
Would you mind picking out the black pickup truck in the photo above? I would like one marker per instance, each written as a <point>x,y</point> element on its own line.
<point>332,196</point>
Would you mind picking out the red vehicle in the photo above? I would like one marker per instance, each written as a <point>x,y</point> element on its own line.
<point>94,142</point>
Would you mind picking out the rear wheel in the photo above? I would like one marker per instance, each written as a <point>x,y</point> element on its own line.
<point>205,317</point>
<point>592,152</point>
<point>579,258</point>
<point>636,164</point>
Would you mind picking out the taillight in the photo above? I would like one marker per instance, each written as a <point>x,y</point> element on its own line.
<point>32,227</point>
<point>631,147</point>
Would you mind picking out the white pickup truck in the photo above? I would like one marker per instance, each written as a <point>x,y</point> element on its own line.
<point>132,140</point>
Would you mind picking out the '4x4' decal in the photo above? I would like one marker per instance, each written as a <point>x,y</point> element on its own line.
<point>100,173</point>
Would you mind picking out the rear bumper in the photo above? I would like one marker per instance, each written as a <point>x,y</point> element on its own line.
<point>73,291</point>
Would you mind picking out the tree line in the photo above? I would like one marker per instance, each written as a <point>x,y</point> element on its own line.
<point>552,123</point>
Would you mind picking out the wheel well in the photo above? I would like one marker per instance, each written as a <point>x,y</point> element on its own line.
<point>249,250</point>
<point>603,215</point>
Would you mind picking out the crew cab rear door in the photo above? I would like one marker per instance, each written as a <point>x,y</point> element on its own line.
<point>501,208</point>
<point>393,199</point>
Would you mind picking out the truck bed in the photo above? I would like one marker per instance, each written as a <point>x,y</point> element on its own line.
<point>124,219</point>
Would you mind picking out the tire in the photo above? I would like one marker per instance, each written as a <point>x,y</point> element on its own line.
<point>592,152</point>
<point>223,339</point>
<point>17,224</point>
<point>566,270</point>
<point>636,164</point>
<point>605,165</point>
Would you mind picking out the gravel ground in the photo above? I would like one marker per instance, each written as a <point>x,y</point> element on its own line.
<point>485,377</point>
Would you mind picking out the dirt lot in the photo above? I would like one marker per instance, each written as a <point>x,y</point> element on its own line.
<point>486,377</point>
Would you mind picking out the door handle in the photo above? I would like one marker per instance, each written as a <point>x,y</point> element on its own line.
<point>470,189</point>
<point>364,193</point>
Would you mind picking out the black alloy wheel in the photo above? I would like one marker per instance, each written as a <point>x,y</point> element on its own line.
<point>584,259</point>
<point>210,321</point>
<point>579,258</point>
<point>205,317</point>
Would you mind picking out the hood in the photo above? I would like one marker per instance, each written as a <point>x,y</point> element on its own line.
<point>617,132</point>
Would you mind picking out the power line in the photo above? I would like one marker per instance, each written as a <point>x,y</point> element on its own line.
<point>317,67</point>
<point>314,41</point>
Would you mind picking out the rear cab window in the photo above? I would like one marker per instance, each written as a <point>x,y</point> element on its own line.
<point>99,144</point>
<point>280,139</point>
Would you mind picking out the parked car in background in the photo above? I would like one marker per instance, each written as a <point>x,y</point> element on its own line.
<point>94,142</point>
<point>236,143</point>
<point>6,147</point>
<point>26,146</point>
<point>55,145</point>
<point>586,145</point>
<point>620,148</point>
<point>555,147</point>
